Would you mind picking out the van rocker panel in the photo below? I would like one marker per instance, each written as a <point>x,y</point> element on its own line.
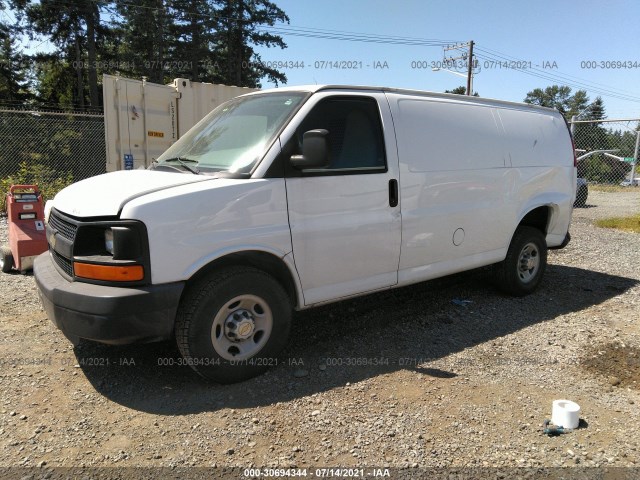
<point>105,314</point>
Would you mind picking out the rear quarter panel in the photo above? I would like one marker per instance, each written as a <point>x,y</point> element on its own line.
<point>541,158</point>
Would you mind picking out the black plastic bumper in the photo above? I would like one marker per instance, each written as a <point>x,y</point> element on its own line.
<point>564,243</point>
<point>106,314</point>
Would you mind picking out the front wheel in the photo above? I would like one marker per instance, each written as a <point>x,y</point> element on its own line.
<point>521,271</point>
<point>232,324</point>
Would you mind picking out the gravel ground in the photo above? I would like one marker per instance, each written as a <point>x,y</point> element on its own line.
<point>455,375</point>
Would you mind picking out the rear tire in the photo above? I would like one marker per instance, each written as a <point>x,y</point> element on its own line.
<point>232,324</point>
<point>6,259</point>
<point>521,271</point>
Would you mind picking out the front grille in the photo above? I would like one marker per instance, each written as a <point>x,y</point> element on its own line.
<point>62,262</point>
<point>65,228</point>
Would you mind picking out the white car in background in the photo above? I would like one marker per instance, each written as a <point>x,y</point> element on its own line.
<point>631,183</point>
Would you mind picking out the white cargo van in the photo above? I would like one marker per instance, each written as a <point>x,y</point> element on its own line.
<point>295,197</point>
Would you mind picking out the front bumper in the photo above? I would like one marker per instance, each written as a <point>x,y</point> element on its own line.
<point>105,314</point>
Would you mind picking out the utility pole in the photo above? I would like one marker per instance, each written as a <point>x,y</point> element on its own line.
<point>470,69</point>
<point>635,158</point>
<point>465,56</point>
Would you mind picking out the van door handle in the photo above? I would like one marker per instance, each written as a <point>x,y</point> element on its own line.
<point>393,193</point>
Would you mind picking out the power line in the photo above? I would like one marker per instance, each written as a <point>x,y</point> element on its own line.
<point>481,52</point>
<point>559,77</point>
<point>357,37</point>
<point>551,77</point>
<point>510,57</point>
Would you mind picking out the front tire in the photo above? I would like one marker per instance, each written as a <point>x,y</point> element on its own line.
<point>232,324</point>
<point>521,271</point>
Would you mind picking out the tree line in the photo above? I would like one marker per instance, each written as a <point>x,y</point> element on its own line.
<point>203,40</point>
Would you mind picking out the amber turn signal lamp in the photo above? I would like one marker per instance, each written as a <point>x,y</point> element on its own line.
<point>109,273</point>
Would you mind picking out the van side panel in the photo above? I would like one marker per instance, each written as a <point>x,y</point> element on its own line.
<point>468,176</point>
<point>440,136</point>
<point>454,186</point>
<point>534,139</point>
<point>540,151</point>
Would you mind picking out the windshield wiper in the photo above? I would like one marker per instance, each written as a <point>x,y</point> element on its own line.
<point>182,161</point>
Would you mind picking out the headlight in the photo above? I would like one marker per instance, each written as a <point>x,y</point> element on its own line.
<point>111,251</point>
<point>108,240</point>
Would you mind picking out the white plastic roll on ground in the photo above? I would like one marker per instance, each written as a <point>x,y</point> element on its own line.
<point>565,413</point>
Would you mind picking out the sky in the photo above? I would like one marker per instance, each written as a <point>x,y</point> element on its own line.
<point>586,44</point>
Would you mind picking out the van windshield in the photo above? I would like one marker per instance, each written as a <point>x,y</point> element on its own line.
<point>234,136</point>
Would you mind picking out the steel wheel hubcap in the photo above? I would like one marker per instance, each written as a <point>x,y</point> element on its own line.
<point>241,327</point>
<point>528,262</point>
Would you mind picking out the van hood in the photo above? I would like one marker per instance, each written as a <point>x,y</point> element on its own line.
<point>105,195</point>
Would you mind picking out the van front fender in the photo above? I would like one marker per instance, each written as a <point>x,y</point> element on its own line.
<point>276,263</point>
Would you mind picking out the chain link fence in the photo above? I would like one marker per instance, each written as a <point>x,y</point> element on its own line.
<point>607,152</point>
<point>52,149</point>
<point>55,149</point>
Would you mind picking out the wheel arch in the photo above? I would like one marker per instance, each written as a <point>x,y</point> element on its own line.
<point>267,262</point>
<point>539,217</point>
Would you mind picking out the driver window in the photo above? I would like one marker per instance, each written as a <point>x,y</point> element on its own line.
<point>355,134</point>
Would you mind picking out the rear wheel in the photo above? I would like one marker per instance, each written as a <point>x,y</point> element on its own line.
<point>6,259</point>
<point>232,324</point>
<point>521,271</point>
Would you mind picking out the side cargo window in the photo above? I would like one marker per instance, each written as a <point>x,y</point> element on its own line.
<point>355,135</point>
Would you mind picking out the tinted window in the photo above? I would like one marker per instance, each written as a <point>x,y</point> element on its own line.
<point>355,133</point>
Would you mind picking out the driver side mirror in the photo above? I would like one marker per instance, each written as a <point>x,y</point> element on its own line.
<point>315,150</point>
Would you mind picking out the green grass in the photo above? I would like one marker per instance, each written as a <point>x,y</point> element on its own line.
<point>628,224</point>
<point>608,188</point>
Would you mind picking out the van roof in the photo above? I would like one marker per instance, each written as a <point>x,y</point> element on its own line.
<point>405,91</point>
